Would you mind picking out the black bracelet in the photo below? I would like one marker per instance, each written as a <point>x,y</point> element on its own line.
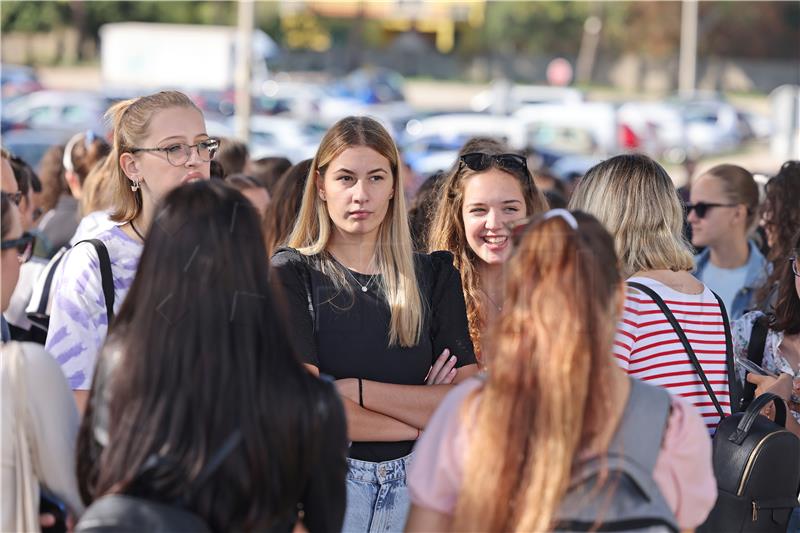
<point>360,393</point>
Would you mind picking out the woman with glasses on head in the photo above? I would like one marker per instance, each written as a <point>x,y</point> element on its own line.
<point>160,142</point>
<point>500,451</point>
<point>488,189</point>
<point>39,419</point>
<point>635,199</point>
<point>387,324</point>
<point>723,209</point>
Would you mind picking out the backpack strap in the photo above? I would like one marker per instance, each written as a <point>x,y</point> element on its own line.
<point>106,277</point>
<point>755,353</point>
<point>682,336</point>
<point>643,424</point>
<point>48,280</point>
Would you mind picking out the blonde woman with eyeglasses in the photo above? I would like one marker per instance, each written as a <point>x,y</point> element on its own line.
<point>387,324</point>
<point>160,142</point>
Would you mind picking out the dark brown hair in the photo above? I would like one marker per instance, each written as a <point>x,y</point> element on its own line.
<point>780,214</point>
<point>787,307</point>
<point>86,149</point>
<point>186,377</point>
<point>285,205</point>
<point>51,174</point>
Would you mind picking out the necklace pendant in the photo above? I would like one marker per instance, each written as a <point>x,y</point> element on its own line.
<point>363,288</point>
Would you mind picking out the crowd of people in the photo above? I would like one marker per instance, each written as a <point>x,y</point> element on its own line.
<point>196,341</point>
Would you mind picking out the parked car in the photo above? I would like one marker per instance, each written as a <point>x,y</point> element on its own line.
<point>30,145</point>
<point>66,111</point>
<point>286,137</point>
<point>17,80</point>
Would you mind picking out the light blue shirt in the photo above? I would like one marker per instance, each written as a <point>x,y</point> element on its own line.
<point>726,282</point>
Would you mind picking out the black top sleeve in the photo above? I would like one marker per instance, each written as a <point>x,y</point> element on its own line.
<point>289,278</point>
<point>449,327</point>
<point>325,496</point>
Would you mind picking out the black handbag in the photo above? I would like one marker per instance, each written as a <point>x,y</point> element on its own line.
<point>756,461</point>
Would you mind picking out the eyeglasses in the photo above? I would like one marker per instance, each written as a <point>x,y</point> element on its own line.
<point>24,246</point>
<point>15,197</point>
<point>701,208</point>
<point>179,153</point>
<point>478,161</point>
<point>795,269</point>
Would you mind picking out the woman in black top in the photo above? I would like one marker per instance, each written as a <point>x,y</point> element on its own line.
<point>387,324</point>
<point>199,401</point>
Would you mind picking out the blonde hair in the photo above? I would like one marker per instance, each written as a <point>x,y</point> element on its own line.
<point>96,189</point>
<point>394,251</point>
<point>635,199</point>
<point>447,229</point>
<point>549,391</point>
<point>130,120</point>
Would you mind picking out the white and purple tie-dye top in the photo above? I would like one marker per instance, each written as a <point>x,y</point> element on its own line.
<point>78,320</point>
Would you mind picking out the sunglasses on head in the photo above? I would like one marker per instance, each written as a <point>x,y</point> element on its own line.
<point>23,245</point>
<point>478,161</point>
<point>701,208</point>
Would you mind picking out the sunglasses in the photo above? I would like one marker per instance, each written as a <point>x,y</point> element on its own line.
<point>15,197</point>
<point>701,208</point>
<point>23,245</point>
<point>478,161</point>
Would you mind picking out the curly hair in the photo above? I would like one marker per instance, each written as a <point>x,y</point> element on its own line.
<point>780,217</point>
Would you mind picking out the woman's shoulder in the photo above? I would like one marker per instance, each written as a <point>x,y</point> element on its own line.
<point>435,265</point>
<point>288,257</point>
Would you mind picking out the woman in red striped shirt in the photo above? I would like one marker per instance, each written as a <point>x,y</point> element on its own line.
<point>634,197</point>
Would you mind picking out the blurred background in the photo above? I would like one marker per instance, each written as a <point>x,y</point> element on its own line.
<point>569,83</point>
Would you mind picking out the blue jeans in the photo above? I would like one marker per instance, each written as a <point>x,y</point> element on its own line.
<point>377,496</point>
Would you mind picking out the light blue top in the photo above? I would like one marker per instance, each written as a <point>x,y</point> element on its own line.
<point>736,291</point>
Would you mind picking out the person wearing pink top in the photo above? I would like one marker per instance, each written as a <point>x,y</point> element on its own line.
<point>500,451</point>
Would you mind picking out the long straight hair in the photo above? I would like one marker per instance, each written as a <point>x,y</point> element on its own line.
<point>201,354</point>
<point>394,250</point>
<point>447,229</point>
<point>548,393</point>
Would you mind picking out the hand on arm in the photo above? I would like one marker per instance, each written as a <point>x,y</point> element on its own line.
<point>411,404</point>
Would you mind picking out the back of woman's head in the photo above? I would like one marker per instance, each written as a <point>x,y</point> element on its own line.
<point>636,201</point>
<point>549,390</point>
<point>51,174</point>
<point>232,155</point>
<point>97,190</point>
<point>268,170</point>
<point>82,153</point>
<point>130,120</point>
<point>201,357</point>
<point>285,205</point>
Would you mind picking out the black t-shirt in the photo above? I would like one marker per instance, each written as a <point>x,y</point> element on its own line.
<point>346,333</point>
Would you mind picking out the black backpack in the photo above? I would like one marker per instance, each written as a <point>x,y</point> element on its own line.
<point>756,460</point>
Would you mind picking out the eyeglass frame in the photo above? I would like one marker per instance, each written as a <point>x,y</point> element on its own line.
<point>24,245</point>
<point>187,153</point>
<point>701,208</point>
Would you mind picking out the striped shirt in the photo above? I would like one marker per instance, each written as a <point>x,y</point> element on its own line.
<point>648,348</point>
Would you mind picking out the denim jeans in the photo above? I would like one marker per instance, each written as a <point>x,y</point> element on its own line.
<point>377,496</point>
